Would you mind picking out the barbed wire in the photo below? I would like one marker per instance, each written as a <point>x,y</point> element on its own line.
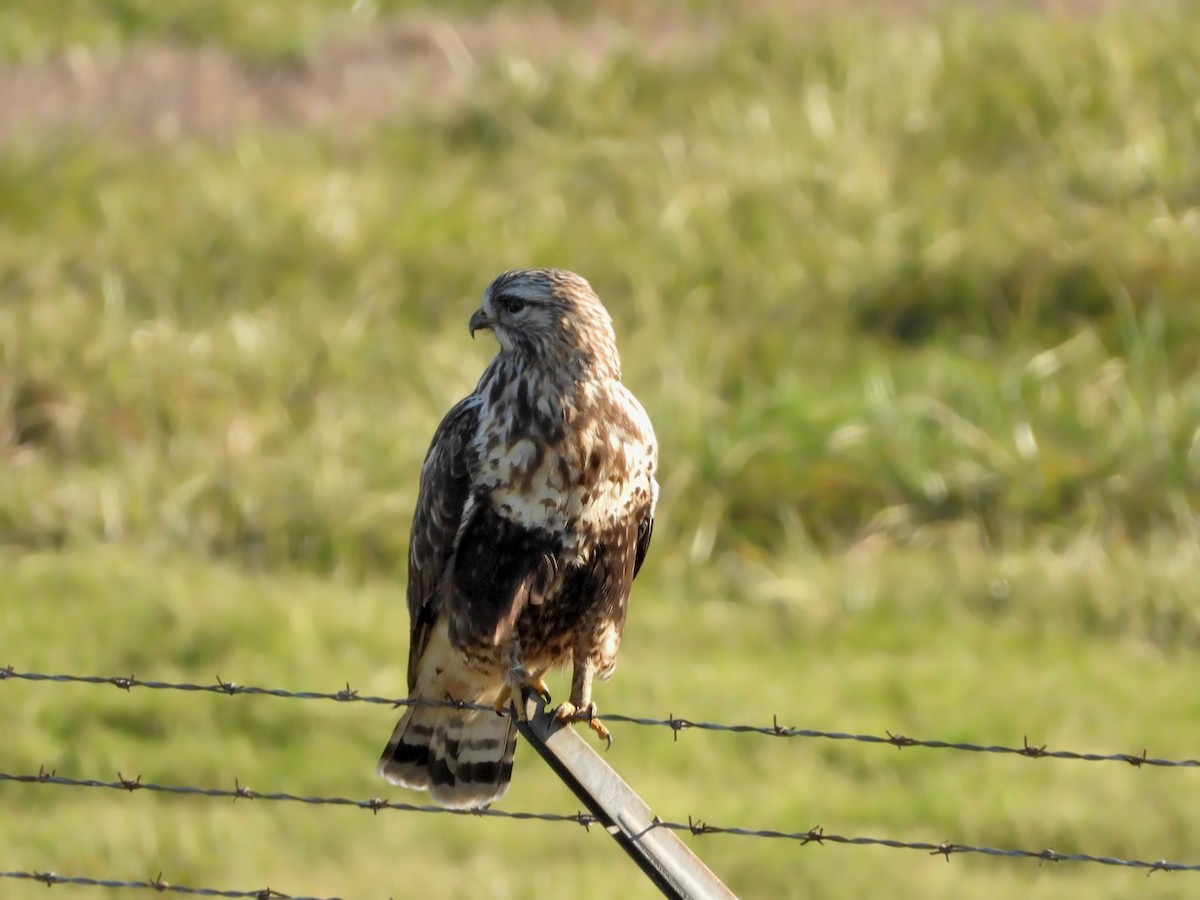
<point>675,723</point>
<point>156,884</point>
<point>241,792</point>
<point>694,826</point>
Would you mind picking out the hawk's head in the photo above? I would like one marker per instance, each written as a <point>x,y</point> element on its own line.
<point>550,317</point>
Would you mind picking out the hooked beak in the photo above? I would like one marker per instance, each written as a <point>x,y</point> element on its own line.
<point>480,320</point>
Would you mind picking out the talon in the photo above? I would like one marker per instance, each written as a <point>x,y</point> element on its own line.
<point>516,683</point>
<point>569,712</point>
<point>597,726</point>
<point>565,712</point>
<point>537,683</point>
<point>502,700</point>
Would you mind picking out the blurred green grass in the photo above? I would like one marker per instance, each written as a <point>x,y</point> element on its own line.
<point>911,302</point>
<point>988,338</point>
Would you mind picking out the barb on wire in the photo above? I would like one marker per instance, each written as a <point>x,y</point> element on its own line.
<point>694,826</point>
<point>156,884</point>
<point>675,723</point>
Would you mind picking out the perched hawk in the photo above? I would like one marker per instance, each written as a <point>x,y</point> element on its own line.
<point>534,515</point>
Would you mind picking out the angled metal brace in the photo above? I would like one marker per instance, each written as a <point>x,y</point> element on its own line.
<point>668,862</point>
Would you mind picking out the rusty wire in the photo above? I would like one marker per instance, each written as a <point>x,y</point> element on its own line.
<point>694,826</point>
<point>156,884</point>
<point>675,723</point>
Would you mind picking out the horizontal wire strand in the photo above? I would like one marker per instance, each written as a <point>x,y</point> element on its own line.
<point>698,827</point>
<point>676,724</point>
<point>52,878</point>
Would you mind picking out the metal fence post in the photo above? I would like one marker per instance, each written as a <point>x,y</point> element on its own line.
<point>667,861</point>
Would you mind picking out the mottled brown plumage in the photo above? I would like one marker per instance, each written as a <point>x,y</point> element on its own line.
<point>533,518</point>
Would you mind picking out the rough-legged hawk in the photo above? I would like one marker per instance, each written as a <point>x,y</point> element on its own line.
<point>534,515</point>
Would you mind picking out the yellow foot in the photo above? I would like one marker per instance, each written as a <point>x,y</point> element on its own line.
<point>569,712</point>
<point>533,681</point>
<point>537,683</point>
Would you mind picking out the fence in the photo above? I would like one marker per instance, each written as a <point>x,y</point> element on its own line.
<point>633,837</point>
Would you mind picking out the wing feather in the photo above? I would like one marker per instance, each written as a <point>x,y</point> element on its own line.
<point>441,502</point>
<point>644,532</point>
<point>498,568</point>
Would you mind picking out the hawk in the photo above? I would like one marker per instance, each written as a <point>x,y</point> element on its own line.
<point>533,517</point>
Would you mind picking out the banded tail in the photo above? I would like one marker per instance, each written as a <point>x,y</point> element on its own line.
<point>463,757</point>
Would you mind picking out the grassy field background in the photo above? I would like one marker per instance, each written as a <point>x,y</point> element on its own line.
<point>912,295</point>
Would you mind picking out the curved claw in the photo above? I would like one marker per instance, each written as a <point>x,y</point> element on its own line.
<point>544,693</point>
<point>597,726</point>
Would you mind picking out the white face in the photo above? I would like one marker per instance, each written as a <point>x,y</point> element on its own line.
<point>550,317</point>
<point>519,312</point>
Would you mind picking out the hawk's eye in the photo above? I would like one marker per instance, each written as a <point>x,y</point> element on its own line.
<point>510,304</point>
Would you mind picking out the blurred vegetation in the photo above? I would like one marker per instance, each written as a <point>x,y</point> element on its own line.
<point>912,302</point>
<point>864,281</point>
